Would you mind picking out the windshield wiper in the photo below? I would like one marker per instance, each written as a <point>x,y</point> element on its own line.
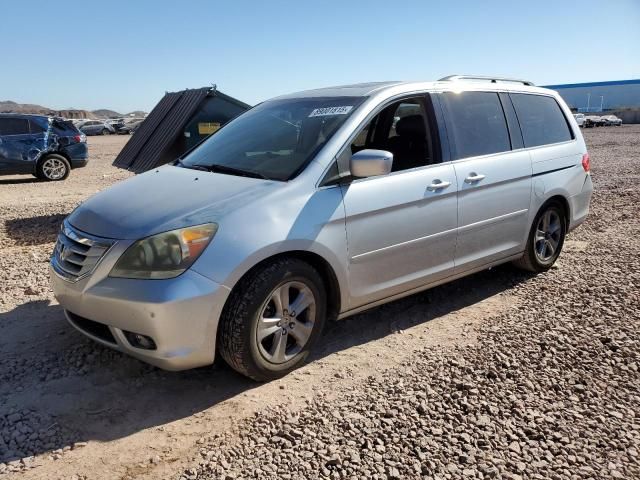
<point>180,163</point>
<point>231,170</point>
<point>222,169</point>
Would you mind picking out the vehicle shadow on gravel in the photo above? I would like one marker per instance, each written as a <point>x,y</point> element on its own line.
<point>60,388</point>
<point>419,308</point>
<point>34,230</point>
<point>18,181</point>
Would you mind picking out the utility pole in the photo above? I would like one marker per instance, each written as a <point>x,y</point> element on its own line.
<point>601,102</point>
<point>588,101</point>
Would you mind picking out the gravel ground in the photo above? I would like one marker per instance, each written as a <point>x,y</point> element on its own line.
<point>551,390</point>
<point>31,213</point>
<point>499,375</point>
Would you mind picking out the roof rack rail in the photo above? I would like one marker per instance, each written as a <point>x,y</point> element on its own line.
<point>488,79</point>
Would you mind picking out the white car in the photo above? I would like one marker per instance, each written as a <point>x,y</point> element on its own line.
<point>610,120</point>
<point>579,119</point>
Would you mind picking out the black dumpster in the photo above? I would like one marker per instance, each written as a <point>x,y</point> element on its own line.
<point>178,122</point>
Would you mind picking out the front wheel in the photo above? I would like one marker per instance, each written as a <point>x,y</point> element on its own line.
<point>273,319</point>
<point>105,132</point>
<point>545,239</point>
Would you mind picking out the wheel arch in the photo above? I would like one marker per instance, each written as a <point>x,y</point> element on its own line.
<point>46,155</point>
<point>563,202</point>
<point>324,268</point>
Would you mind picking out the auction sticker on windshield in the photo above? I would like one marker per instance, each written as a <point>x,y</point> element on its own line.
<point>321,112</point>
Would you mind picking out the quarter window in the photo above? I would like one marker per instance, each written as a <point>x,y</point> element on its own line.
<point>541,120</point>
<point>65,127</point>
<point>365,135</point>
<point>475,124</point>
<point>35,127</point>
<point>14,126</point>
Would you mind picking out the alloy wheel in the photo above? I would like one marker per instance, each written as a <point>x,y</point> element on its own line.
<point>286,322</point>
<point>548,235</point>
<point>54,169</point>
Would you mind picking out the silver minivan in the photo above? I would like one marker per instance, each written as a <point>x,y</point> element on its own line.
<point>316,206</point>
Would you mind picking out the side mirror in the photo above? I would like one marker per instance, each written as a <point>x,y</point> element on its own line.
<point>370,163</point>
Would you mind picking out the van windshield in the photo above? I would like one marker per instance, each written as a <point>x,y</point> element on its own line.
<point>274,140</point>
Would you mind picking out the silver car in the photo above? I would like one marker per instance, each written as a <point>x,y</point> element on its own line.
<point>316,206</point>
<point>96,127</point>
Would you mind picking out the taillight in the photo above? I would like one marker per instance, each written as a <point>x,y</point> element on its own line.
<point>80,138</point>
<point>586,164</point>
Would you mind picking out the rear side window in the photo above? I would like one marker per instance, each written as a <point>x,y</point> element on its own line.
<point>541,120</point>
<point>475,124</point>
<point>36,127</point>
<point>14,126</point>
<point>65,127</point>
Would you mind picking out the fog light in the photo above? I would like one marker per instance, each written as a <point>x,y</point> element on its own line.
<point>140,341</point>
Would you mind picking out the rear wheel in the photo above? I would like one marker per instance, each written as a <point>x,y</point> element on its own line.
<point>273,319</point>
<point>105,131</point>
<point>53,168</point>
<point>545,239</point>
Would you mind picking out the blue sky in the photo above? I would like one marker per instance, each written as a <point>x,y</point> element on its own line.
<point>125,54</point>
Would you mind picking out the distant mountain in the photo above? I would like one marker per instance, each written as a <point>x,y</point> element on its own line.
<point>7,106</point>
<point>105,113</point>
<point>137,113</point>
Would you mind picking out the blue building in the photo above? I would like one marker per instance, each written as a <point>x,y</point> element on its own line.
<point>601,96</point>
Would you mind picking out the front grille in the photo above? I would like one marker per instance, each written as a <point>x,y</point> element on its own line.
<point>96,329</point>
<point>76,253</point>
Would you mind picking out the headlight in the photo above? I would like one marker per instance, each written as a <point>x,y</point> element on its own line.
<point>165,255</point>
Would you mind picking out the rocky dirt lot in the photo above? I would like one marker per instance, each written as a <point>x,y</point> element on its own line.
<point>499,375</point>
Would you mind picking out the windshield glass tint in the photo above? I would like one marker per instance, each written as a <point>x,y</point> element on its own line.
<point>277,138</point>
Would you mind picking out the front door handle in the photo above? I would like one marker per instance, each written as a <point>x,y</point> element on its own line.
<point>473,178</point>
<point>438,184</point>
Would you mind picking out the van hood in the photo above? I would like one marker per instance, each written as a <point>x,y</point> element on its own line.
<point>165,199</point>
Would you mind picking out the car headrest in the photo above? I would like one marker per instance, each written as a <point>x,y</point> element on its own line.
<point>411,126</point>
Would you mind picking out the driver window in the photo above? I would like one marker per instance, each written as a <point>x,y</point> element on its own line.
<point>401,128</point>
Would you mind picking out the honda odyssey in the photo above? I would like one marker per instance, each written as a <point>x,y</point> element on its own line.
<point>316,206</point>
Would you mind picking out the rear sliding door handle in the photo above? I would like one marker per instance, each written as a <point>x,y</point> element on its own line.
<point>473,178</point>
<point>438,185</point>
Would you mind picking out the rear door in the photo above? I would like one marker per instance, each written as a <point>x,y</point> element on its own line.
<point>551,142</point>
<point>15,144</point>
<point>494,177</point>
<point>39,138</point>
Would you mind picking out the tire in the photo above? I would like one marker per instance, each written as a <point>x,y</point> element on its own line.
<point>250,340</point>
<point>53,168</point>
<point>105,132</point>
<point>538,256</point>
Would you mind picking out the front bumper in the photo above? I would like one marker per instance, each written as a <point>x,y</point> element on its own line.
<point>180,314</point>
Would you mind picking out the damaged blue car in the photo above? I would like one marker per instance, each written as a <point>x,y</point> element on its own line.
<point>44,146</point>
